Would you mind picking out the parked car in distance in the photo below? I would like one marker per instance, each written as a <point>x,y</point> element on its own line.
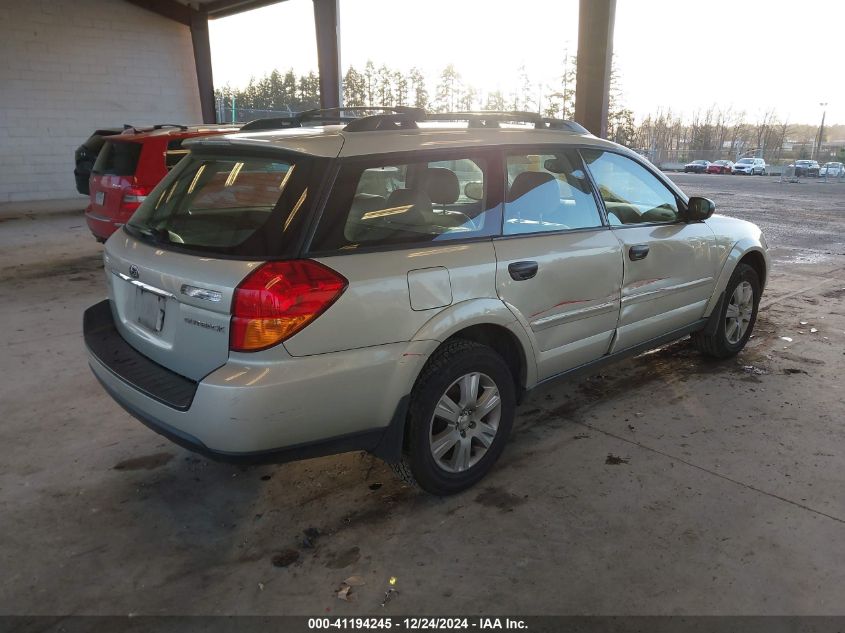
<point>395,284</point>
<point>86,154</point>
<point>720,167</point>
<point>129,165</point>
<point>809,168</point>
<point>696,166</point>
<point>749,167</point>
<point>832,170</point>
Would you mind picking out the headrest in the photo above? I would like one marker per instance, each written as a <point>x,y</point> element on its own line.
<point>441,185</point>
<point>528,180</point>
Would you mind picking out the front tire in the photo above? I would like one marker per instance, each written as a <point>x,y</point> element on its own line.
<point>459,418</point>
<point>734,321</point>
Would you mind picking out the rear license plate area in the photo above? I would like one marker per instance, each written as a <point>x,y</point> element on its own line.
<point>150,309</point>
<point>100,198</point>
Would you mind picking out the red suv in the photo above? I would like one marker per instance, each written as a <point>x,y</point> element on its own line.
<point>127,168</point>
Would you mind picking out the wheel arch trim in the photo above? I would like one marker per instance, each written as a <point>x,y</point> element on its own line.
<point>480,312</point>
<point>736,254</point>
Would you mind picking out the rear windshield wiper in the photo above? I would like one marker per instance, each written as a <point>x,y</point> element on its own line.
<point>159,236</point>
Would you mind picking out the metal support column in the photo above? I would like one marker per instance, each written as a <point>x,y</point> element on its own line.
<point>595,52</point>
<point>202,60</point>
<point>327,25</point>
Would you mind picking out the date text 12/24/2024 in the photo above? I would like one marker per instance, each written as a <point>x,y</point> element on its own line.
<point>417,624</point>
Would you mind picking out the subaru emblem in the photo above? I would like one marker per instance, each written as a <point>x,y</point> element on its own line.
<point>133,270</point>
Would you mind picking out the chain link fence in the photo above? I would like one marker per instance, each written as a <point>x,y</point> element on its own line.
<point>226,114</point>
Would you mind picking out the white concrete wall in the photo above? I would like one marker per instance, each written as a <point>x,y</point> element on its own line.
<point>70,66</point>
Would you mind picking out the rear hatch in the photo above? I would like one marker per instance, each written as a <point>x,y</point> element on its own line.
<point>174,268</point>
<point>113,178</point>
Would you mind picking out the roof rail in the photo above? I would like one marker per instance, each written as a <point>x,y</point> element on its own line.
<point>271,123</point>
<point>564,124</point>
<point>350,114</point>
<point>159,126</point>
<point>493,118</point>
<point>407,118</point>
<point>486,118</point>
<point>376,118</point>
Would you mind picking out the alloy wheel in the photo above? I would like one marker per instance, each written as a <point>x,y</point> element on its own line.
<point>465,422</point>
<point>738,314</point>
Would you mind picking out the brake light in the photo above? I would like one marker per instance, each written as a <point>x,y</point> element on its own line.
<point>278,299</point>
<point>132,198</point>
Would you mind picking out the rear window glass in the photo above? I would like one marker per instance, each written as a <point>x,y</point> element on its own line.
<point>407,202</point>
<point>118,158</point>
<point>238,206</point>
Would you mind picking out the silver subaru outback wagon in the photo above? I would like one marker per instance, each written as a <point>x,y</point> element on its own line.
<point>395,282</point>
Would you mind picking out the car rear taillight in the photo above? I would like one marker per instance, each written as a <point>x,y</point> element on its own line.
<point>278,299</point>
<point>132,198</point>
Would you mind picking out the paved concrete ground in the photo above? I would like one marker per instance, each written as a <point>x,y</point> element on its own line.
<point>730,502</point>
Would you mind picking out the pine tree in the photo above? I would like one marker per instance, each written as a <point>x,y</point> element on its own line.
<point>370,81</point>
<point>447,90</point>
<point>289,89</point>
<point>385,86</point>
<point>400,82</point>
<point>466,101</point>
<point>419,88</point>
<point>354,90</point>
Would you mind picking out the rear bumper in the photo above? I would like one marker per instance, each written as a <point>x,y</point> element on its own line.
<point>264,412</point>
<point>100,225</point>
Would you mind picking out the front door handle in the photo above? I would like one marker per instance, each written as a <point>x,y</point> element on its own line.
<point>637,252</point>
<point>520,271</point>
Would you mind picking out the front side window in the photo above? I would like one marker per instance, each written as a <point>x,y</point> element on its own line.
<point>407,202</point>
<point>631,194</point>
<point>548,192</point>
<point>240,206</point>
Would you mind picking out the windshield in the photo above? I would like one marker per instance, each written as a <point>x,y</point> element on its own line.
<point>228,205</point>
<point>745,161</point>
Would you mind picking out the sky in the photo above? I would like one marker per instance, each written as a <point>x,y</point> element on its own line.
<point>752,56</point>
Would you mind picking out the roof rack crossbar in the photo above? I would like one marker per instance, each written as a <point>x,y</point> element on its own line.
<point>486,118</point>
<point>376,122</point>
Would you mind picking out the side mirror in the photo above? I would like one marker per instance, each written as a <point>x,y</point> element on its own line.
<point>699,209</point>
<point>474,190</point>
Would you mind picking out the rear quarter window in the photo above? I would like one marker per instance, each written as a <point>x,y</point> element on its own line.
<point>174,153</point>
<point>416,200</point>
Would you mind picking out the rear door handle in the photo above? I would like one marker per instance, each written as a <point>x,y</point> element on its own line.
<point>520,271</point>
<point>638,251</point>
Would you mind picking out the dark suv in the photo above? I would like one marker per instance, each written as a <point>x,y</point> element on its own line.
<point>86,155</point>
<point>807,168</point>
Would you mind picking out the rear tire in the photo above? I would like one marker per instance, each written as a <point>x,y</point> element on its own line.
<point>459,418</point>
<point>735,316</point>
